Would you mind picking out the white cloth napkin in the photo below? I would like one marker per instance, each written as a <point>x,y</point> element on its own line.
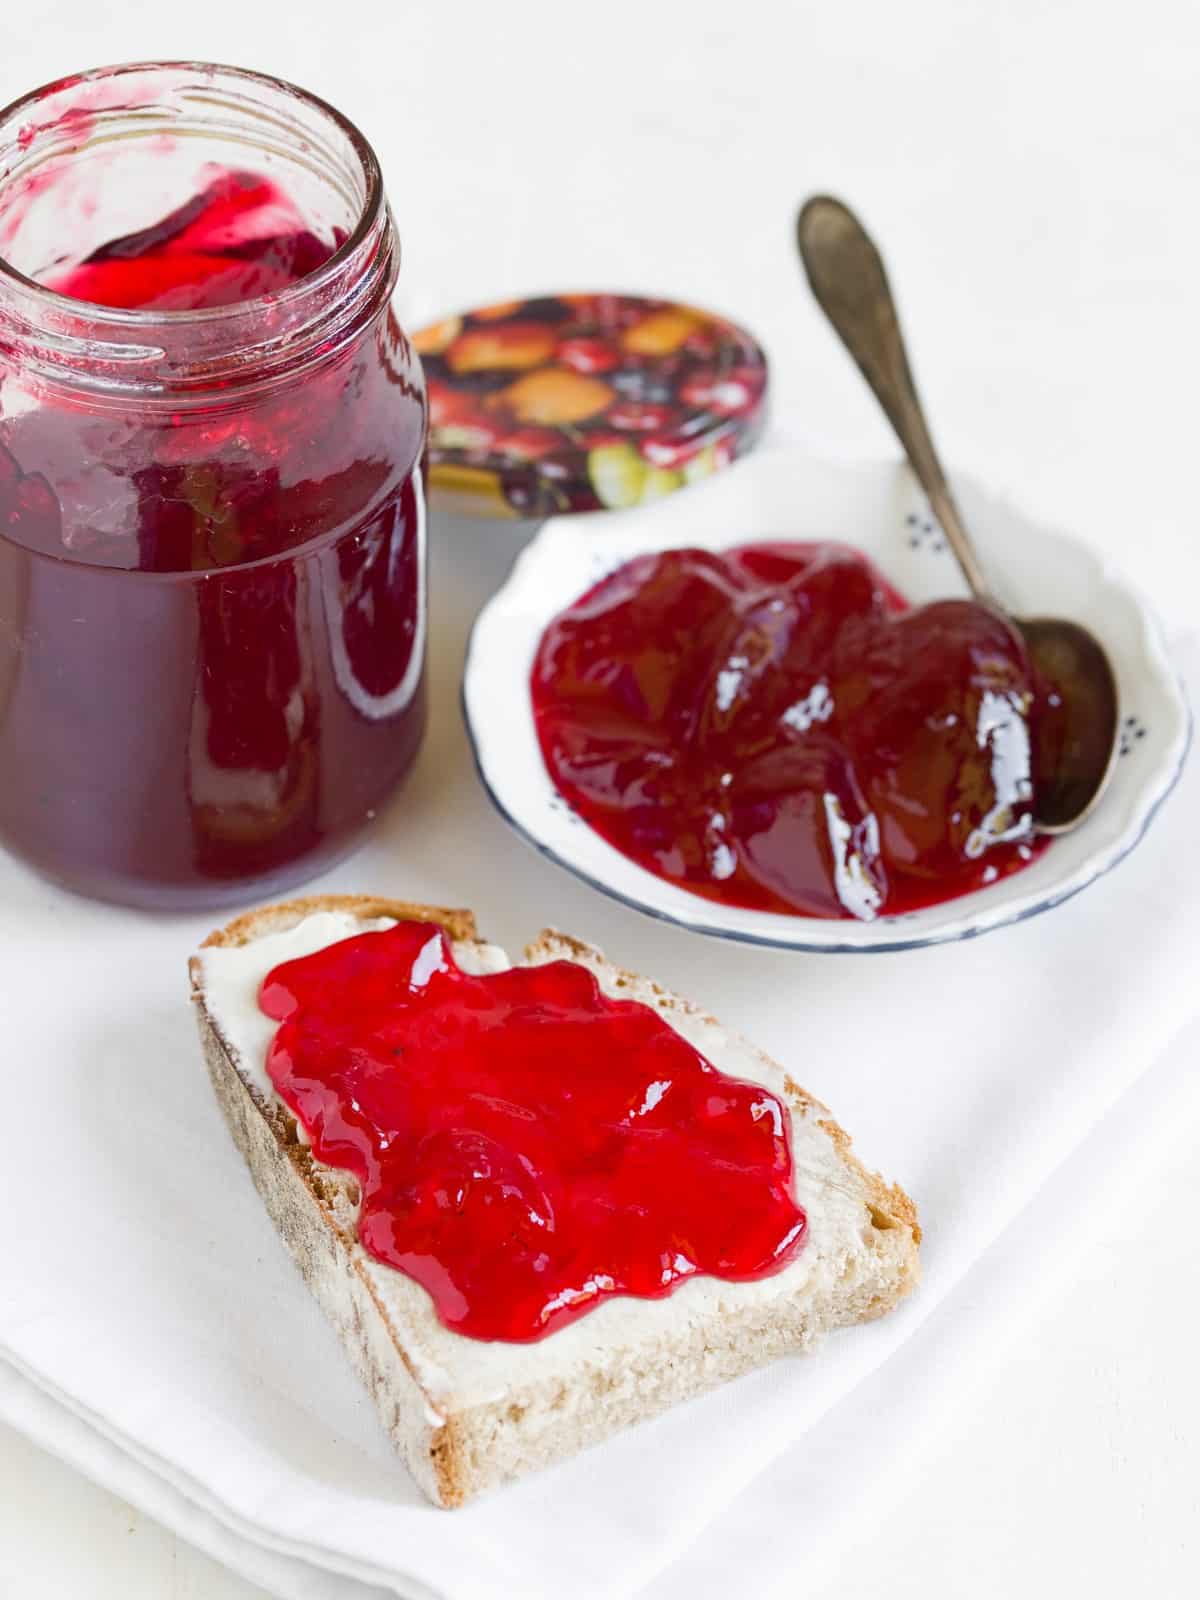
<point>817,1490</point>
<point>156,1334</point>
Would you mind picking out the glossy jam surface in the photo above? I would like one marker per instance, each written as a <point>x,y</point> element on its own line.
<point>771,726</point>
<point>239,238</point>
<point>525,1146</point>
<point>211,611</point>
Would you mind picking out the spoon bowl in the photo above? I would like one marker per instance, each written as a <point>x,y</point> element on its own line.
<point>1074,734</point>
<point>1075,723</point>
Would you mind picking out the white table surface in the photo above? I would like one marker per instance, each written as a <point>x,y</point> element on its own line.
<point>1034,170</point>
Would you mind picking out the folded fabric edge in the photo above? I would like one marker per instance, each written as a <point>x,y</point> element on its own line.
<point>58,1426</point>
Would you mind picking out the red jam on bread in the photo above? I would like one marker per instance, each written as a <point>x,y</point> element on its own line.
<point>526,1147</point>
<point>773,727</point>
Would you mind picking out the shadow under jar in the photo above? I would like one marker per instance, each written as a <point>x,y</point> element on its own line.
<point>212,526</point>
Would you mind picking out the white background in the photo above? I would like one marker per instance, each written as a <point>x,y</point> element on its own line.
<point>1034,173</point>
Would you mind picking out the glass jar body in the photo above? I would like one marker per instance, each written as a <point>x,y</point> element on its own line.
<point>212,576</point>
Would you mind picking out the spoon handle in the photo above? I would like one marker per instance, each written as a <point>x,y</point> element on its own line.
<point>850,284</point>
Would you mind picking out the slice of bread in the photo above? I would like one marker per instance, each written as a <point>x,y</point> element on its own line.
<point>467,1414</point>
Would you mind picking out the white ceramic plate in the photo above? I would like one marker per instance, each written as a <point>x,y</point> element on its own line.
<point>784,493</point>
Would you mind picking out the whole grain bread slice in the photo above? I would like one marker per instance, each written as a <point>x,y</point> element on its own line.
<point>466,1415</point>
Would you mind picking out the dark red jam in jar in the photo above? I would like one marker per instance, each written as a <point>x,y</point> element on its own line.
<point>771,726</point>
<point>526,1146</point>
<point>212,587</point>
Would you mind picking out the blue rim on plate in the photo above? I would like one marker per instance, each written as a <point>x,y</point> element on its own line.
<point>785,492</point>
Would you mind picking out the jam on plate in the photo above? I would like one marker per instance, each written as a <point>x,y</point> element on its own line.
<point>771,726</point>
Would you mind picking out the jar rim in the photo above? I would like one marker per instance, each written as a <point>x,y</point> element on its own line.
<point>134,319</point>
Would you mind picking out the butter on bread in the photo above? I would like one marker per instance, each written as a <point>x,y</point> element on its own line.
<point>468,1414</point>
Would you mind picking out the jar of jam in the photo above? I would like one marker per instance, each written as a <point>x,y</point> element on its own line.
<point>212,526</point>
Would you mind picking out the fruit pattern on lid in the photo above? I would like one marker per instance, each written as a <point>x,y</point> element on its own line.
<point>584,402</point>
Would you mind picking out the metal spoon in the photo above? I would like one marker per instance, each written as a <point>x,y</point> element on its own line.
<point>1074,726</point>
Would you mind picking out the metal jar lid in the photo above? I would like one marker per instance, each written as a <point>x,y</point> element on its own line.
<point>584,402</point>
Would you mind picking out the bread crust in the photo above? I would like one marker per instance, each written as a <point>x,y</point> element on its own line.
<point>254,924</point>
<point>452,1453</point>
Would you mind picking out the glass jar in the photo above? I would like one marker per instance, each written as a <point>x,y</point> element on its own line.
<point>212,525</point>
